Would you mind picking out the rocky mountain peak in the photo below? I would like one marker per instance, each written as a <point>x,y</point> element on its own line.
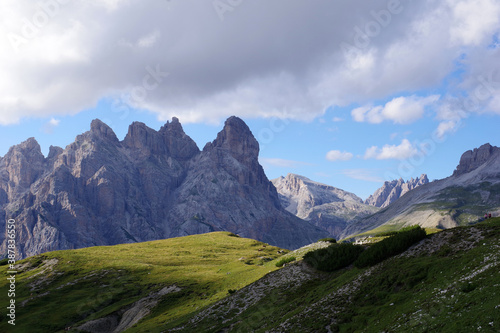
<point>170,140</point>
<point>393,190</point>
<point>30,145</point>
<point>54,152</point>
<point>174,126</point>
<point>472,159</point>
<point>237,138</point>
<point>323,205</point>
<point>29,149</point>
<point>141,137</point>
<point>101,130</point>
<point>177,143</point>
<point>23,165</point>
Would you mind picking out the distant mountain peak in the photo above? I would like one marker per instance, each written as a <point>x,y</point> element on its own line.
<point>173,126</point>
<point>101,130</point>
<point>323,205</point>
<point>460,199</point>
<point>393,190</point>
<point>473,159</point>
<point>170,140</point>
<point>237,138</point>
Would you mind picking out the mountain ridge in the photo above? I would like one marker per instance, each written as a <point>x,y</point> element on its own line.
<point>460,199</point>
<point>325,206</point>
<point>151,185</point>
<point>393,190</point>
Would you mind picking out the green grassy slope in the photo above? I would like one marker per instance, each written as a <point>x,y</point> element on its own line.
<point>67,288</point>
<point>447,283</point>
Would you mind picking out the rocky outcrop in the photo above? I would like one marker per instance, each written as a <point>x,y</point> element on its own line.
<point>393,190</point>
<point>152,185</point>
<point>473,159</point>
<point>325,206</point>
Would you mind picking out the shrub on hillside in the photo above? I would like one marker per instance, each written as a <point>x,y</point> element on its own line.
<point>390,246</point>
<point>329,240</point>
<point>333,257</point>
<point>283,261</point>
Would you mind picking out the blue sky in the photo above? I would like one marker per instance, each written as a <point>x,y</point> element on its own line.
<point>346,93</point>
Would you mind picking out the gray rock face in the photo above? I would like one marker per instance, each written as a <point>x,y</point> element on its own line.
<point>152,185</point>
<point>325,206</point>
<point>472,159</point>
<point>393,190</point>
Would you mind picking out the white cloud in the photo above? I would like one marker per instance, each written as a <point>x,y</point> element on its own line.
<point>446,127</point>
<point>337,155</point>
<point>368,113</point>
<point>63,60</point>
<point>494,104</point>
<point>362,174</point>
<point>450,114</point>
<point>399,152</point>
<point>50,126</point>
<point>474,21</point>
<point>400,110</point>
<point>149,40</point>
<point>54,122</point>
<point>282,163</point>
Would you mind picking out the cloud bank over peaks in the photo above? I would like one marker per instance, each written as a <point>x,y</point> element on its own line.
<point>61,57</point>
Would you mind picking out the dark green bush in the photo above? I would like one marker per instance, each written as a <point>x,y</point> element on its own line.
<point>390,246</point>
<point>329,240</point>
<point>4,262</point>
<point>283,261</point>
<point>468,287</point>
<point>386,234</point>
<point>333,257</point>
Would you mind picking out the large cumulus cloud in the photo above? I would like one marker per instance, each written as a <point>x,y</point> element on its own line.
<point>283,58</point>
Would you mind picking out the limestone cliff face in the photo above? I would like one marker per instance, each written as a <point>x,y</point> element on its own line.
<point>325,206</point>
<point>393,190</point>
<point>473,159</point>
<point>152,185</point>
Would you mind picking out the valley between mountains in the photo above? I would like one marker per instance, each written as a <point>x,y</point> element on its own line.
<point>152,234</point>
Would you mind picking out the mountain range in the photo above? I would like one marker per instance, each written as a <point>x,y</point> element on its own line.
<point>333,209</point>
<point>159,184</point>
<point>393,190</point>
<point>151,185</point>
<point>460,199</point>
<point>323,205</point>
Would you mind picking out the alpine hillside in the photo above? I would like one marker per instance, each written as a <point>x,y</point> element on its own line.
<point>216,282</point>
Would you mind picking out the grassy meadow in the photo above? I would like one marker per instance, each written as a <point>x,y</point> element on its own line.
<point>94,282</point>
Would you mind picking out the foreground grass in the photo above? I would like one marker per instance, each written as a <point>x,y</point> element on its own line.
<point>453,287</point>
<point>447,283</point>
<point>95,282</point>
